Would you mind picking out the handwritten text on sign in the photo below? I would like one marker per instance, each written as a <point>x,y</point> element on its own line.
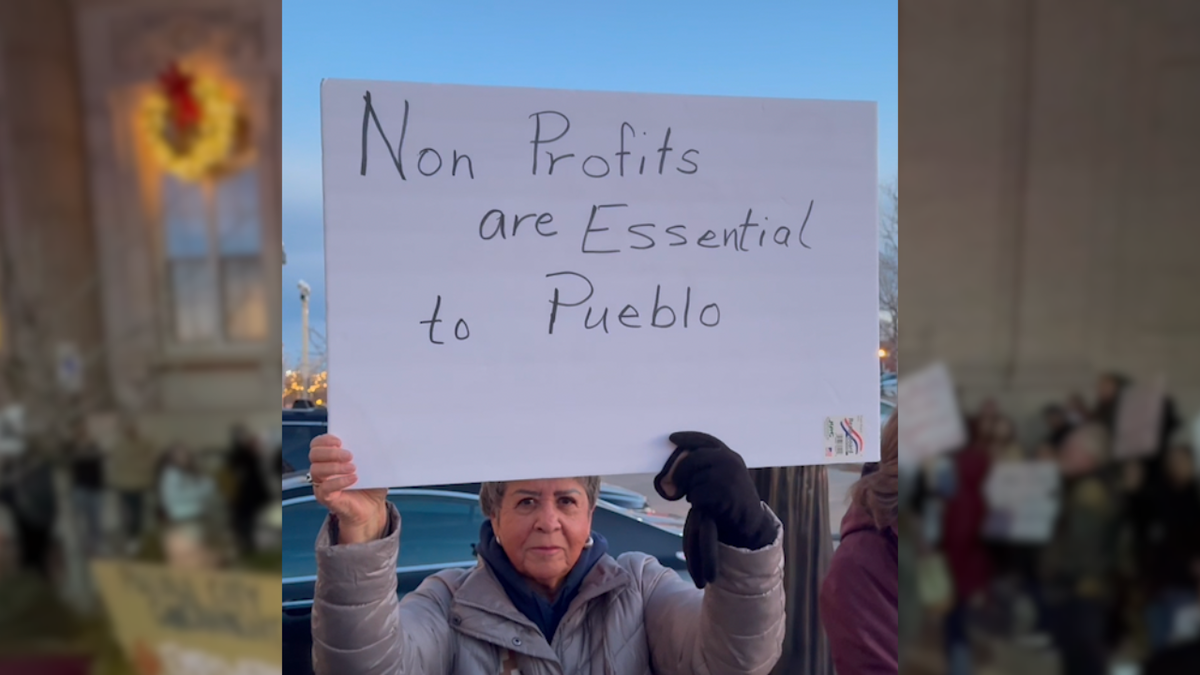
<point>511,272</point>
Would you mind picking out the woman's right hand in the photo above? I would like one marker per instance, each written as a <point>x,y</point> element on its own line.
<point>362,515</point>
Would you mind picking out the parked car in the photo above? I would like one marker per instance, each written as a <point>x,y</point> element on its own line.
<point>300,426</point>
<point>297,485</point>
<point>440,531</point>
<point>886,408</point>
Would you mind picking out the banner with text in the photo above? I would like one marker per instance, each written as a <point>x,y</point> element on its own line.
<point>188,622</point>
<point>533,283</point>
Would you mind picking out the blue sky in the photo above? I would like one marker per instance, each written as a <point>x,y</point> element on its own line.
<point>814,49</point>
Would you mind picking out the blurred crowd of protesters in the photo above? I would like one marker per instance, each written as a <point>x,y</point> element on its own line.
<point>196,509</point>
<point>1116,576</point>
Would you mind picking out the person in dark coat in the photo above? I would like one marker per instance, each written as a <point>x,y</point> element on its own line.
<point>1109,389</point>
<point>87,486</point>
<point>35,512</point>
<point>1058,426</point>
<point>250,492</point>
<point>860,596</point>
<point>1174,547</point>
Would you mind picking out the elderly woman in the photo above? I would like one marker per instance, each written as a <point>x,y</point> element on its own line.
<point>546,597</point>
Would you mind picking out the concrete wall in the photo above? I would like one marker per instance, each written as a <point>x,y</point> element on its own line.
<point>45,205</point>
<point>1049,163</point>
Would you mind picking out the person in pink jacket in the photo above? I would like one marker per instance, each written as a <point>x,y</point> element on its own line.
<point>860,596</point>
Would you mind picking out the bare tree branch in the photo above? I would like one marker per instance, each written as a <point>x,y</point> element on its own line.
<point>889,265</point>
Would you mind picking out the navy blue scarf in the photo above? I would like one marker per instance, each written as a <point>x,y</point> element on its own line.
<point>544,614</point>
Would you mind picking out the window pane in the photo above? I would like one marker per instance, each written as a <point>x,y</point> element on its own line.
<point>239,214</point>
<point>245,298</point>
<point>184,219</point>
<point>195,294</point>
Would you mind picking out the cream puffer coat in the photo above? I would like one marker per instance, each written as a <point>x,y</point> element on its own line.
<point>632,617</point>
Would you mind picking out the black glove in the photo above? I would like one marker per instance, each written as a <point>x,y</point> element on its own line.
<point>725,504</point>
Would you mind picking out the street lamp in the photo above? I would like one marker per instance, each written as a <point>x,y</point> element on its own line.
<point>305,293</point>
<point>882,356</point>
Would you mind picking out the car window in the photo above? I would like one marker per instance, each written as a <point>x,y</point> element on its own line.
<point>437,530</point>
<point>296,439</point>
<point>302,521</point>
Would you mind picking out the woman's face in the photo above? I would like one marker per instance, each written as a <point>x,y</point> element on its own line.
<point>543,526</point>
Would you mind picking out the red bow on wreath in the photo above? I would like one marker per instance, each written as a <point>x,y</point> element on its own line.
<point>185,109</point>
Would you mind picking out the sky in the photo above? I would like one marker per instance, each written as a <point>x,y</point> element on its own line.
<point>818,49</point>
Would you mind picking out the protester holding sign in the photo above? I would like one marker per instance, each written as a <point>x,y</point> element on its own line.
<point>545,596</point>
<point>860,597</point>
<point>1174,556</point>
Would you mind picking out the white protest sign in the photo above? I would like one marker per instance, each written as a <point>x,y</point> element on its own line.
<point>932,422</point>
<point>535,283</point>
<point>1139,419</point>
<point>1023,500</point>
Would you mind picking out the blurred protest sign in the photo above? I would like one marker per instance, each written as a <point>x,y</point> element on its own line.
<point>1139,419</point>
<point>552,281</point>
<point>932,421</point>
<point>1185,624</point>
<point>1023,501</point>
<point>12,430</point>
<point>178,622</point>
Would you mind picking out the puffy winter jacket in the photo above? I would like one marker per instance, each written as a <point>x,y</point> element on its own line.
<point>632,617</point>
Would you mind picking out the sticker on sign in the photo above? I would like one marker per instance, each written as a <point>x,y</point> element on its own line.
<point>844,437</point>
<point>532,283</point>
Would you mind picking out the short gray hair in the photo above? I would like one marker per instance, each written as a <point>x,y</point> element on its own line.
<point>491,495</point>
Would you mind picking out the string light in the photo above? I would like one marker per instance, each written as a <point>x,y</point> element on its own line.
<point>315,391</point>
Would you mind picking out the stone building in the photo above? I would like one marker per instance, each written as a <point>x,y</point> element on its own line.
<point>1049,163</point>
<point>139,199</point>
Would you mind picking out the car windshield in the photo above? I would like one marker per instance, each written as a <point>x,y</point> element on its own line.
<point>441,529</point>
<point>438,530</point>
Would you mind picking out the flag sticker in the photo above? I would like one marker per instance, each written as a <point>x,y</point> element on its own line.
<point>844,437</point>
